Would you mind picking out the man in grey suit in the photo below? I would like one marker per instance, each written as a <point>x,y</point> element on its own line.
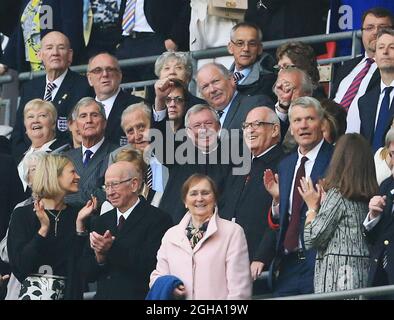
<point>218,88</point>
<point>91,159</point>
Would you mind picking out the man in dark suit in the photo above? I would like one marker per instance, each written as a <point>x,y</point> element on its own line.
<point>295,264</point>
<point>105,76</point>
<point>251,64</point>
<point>217,87</point>
<point>91,159</point>
<point>245,199</point>
<point>362,70</point>
<point>125,240</point>
<point>380,234</point>
<point>60,85</point>
<point>376,107</point>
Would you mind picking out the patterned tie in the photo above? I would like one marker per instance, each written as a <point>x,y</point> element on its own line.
<point>292,233</point>
<point>128,17</point>
<point>195,234</point>
<point>354,86</point>
<point>48,92</point>
<point>121,222</point>
<point>88,155</point>
<point>381,125</point>
<point>148,177</point>
<point>220,113</point>
<point>238,76</point>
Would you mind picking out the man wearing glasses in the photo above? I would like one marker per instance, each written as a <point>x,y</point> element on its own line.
<point>246,201</point>
<point>358,75</point>
<point>124,241</point>
<point>252,68</point>
<point>105,76</point>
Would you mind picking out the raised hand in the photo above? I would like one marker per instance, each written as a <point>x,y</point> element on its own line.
<point>376,205</point>
<point>163,88</point>
<point>89,208</point>
<point>308,192</point>
<point>42,216</point>
<point>271,184</point>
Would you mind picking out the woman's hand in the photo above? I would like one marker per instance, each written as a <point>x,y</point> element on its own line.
<point>256,267</point>
<point>310,195</point>
<point>271,183</point>
<point>86,212</point>
<point>179,292</point>
<point>42,217</point>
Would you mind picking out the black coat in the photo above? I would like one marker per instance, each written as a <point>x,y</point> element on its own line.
<point>132,256</point>
<point>73,88</point>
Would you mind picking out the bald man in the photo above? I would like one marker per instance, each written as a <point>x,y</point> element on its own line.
<point>124,241</point>
<point>63,87</point>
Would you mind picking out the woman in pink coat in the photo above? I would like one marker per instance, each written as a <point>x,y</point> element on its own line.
<point>207,253</point>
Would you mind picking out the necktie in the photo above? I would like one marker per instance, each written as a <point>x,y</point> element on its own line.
<point>48,92</point>
<point>353,88</point>
<point>88,155</point>
<point>121,222</point>
<point>128,17</point>
<point>292,233</point>
<point>148,177</point>
<point>220,113</point>
<point>237,76</point>
<point>383,118</point>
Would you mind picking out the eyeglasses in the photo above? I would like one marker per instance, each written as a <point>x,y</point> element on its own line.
<point>278,67</point>
<point>207,124</point>
<point>109,70</point>
<point>241,43</point>
<point>115,185</point>
<point>371,28</point>
<point>255,124</point>
<point>175,99</point>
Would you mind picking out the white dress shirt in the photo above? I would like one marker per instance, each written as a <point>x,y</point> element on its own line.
<point>108,103</point>
<point>93,149</point>
<point>58,82</point>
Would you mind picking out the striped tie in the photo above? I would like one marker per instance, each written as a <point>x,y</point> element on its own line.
<point>353,89</point>
<point>238,76</point>
<point>128,17</point>
<point>48,92</point>
<point>148,177</point>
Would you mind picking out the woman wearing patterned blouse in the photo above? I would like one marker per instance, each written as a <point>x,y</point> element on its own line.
<point>335,230</point>
<point>207,253</point>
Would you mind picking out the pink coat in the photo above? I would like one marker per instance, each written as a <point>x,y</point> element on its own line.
<point>217,267</point>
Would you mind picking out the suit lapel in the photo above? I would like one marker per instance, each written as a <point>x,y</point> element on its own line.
<point>232,111</point>
<point>367,109</point>
<point>135,216</point>
<point>115,113</point>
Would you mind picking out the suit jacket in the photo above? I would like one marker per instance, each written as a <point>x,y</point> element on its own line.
<point>344,70</point>
<point>73,88</point>
<point>132,256</point>
<point>367,106</point>
<point>114,132</point>
<point>381,237</point>
<point>247,200</point>
<point>92,176</point>
<point>66,18</point>
<point>286,173</point>
<point>240,107</point>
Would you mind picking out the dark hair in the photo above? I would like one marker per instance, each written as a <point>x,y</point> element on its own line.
<point>336,116</point>
<point>194,179</point>
<point>178,84</point>
<point>302,56</point>
<point>380,13</point>
<point>352,169</point>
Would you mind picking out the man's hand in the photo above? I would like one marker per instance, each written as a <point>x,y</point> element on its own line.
<point>170,45</point>
<point>376,206</point>
<point>271,184</point>
<point>256,268</point>
<point>163,88</point>
<point>3,69</point>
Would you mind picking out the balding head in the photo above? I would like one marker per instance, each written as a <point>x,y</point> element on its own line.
<point>261,129</point>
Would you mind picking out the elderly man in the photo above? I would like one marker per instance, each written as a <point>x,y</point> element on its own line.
<point>125,240</point>
<point>200,153</point>
<point>217,87</point>
<point>60,85</point>
<point>105,76</point>
<point>252,68</point>
<point>245,199</point>
<point>136,124</point>
<point>295,264</point>
<point>376,107</point>
<point>91,159</point>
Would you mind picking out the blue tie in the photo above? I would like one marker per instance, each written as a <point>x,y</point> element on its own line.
<point>381,125</point>
<point>88,155</point>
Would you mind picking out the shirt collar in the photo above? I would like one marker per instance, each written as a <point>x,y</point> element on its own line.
<point>94,148</point>
<point>127,212</point>
<point>264,152</point>
<point>58,81</point>
<point>110,101</point>
<point>312,154</point>
<point>384,86</point>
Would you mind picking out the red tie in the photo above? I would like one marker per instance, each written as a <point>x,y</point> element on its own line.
<point>353,89</point>
<point>121,222</point>
<point>292,233</point>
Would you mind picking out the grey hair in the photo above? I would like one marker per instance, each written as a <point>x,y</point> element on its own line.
<point>181,57</point>
<point>246,25</point>
<point>383,31</point>
<point>222,69</point>
<point>198,108</point>
<point>307,85</point>
<point>86,101</point>
<point>389,137</point>
<point>134,107</point>
<point>307,102</point>
<point>27,161</point>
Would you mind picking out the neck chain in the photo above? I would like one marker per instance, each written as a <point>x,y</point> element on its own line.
<point>56,218</point>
